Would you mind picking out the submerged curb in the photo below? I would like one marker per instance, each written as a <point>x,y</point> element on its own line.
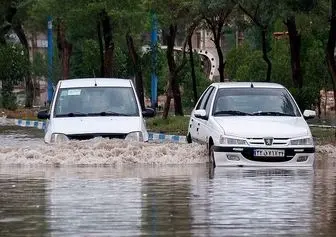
<point>157,137</point>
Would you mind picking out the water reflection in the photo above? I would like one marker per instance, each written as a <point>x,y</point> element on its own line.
<point>22,206</point>
<point>261,201</point>
<point>165,207</point>
<point>168,201</point>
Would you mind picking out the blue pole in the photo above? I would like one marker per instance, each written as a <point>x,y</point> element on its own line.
<point>50,60</point>
<point>154,79</point>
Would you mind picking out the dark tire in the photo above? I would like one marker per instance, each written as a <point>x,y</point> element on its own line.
<point>212,162</point>
<point>189,138</point>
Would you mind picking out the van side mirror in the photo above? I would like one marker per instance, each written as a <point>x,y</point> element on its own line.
<point>43,114</point>
<point>309,114</point>
<point>148,113</point>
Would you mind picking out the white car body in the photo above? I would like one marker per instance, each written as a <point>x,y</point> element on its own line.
<point>60,128</point>
<point>253,139</point>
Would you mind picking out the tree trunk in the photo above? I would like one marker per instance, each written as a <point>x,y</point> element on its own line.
<point>177,99</point>
<point>169,96</point>
<point>221,63</point>
<point>137,69</point>
<point>65,50</point>
<point>193,74</point>
<point>265,56</point>
<point>28,80</point>
<point>295,46</point>
<point>36,80</point>
<point>101,48</point>
<point>330,50</point>
<point>173,85</point>
<point>8,19</point>
<point>108,44</point>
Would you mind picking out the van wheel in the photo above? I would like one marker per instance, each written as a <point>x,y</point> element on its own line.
<point>212,161</point>
<point>189,138</point>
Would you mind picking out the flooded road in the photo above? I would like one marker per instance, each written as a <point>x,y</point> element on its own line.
<point>117,189</point>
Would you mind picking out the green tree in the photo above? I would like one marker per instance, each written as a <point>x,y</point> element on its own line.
<point>14,67</point>
<point>216,14</point>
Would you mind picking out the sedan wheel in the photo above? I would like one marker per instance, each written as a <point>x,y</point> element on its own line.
<point>189,138</point>
<point>212,162</point>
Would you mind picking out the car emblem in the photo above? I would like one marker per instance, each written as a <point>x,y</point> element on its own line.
<point>268,141</point>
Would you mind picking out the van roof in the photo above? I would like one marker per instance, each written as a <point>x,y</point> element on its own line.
<point>90,82</point>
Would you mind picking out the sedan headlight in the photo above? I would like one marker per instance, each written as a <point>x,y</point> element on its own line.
<point>302,141</point>
<point>58,138</point>
<point>135,137</point>
<point>231,141</point>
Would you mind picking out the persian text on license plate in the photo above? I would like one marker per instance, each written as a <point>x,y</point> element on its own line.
<point>269,153</point>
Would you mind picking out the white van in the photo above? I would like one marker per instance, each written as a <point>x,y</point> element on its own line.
<point>83,109</point>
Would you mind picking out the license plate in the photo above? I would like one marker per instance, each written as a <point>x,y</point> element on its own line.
<point>269,153</point>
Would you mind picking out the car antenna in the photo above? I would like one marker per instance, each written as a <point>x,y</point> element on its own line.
<point>95,82</point>
<point>252,86</point>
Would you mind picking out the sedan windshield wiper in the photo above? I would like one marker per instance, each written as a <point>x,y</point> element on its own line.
<point>72,114</point>
<point>271,113</point>
<point>107,113</point>
<point>231,112</point>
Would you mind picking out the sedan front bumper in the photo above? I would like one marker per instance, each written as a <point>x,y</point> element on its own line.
<point>244,156</point>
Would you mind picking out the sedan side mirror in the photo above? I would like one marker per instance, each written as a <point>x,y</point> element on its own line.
<point>200,113</point>
<point>148,113</point>
<point>309,114</point>
<point>43,114</point>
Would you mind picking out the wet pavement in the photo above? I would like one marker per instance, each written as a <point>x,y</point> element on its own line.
<point>176,196</point>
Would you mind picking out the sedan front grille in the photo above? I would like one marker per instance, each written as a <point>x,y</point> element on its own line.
<point>93,135</point>
<point>260,141</point>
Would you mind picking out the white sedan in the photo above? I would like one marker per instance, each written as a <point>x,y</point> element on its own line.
<point>252,124</point>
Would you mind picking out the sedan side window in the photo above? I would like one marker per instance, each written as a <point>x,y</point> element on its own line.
<point>209,101</point>
<point>205,99</point>
<point>201,101</point>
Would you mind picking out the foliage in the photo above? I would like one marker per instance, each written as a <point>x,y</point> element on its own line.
<point>161,71</point>
<point>202,82</point>
<point>14,66</point>
<point>39,65</point>
<point>184,78</point>
<point>245,64</point>
<point>172,125</point>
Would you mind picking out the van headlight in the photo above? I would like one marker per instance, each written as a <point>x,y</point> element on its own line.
<point>231,141</point>
<point>135,137</point>
<point>302,141</point>
<point>58,138</point>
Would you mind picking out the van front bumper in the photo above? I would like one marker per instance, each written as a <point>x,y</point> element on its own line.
<point>245,156</point>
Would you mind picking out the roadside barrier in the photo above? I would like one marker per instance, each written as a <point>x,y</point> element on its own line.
<point>157,137</point>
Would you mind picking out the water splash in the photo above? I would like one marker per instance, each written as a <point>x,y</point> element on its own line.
<point>4,121</point>
<point>101,151</point>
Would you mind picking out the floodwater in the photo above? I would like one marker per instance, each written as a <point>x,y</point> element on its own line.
<point>111,188</point>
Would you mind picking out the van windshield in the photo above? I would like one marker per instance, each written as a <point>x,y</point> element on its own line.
<point>254,101</point>
<point>96,101</point>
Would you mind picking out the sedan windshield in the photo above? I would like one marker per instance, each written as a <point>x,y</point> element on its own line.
<point>96,101</point>
<point>254,102</point>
